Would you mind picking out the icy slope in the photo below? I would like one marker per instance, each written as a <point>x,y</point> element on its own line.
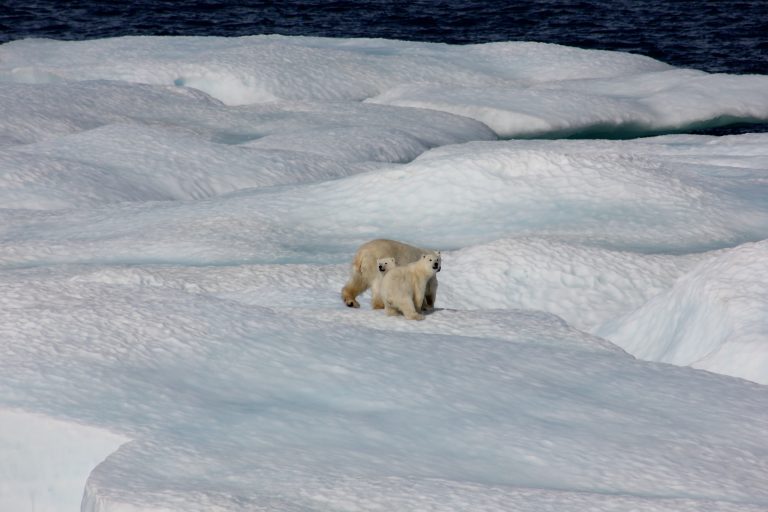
<point>714,317</point>
<point>616,107</point>
<point>516,88</point>
<point>140,143</point>
<point>46,462</point>
<point>635,196</point>
<point>238,406</point>
<point>586,286</point>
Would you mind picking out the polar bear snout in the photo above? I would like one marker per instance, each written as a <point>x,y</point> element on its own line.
<point>381,268</point>
<point>436,266</point>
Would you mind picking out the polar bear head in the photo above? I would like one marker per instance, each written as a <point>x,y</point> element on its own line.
<point>385,264</point>
<point>433,261</point>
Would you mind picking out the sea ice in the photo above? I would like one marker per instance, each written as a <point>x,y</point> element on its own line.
<point>712,318</point>
<point>178,216</point>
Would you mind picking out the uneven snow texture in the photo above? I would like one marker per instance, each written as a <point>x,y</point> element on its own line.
<point>517,89</point>
<point>228,407</point>
<point>714,317</point>
<point>177,218</point>
<point>46,461</point>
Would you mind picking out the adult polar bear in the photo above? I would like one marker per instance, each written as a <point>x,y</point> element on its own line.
<point>365,271</point>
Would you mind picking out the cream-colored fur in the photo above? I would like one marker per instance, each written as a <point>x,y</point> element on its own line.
<point>384,265</point>
<point>365,271</point>
<point>403,289</point>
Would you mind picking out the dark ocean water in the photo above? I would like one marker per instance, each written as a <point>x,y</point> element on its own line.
<point>711,35</point>
<point>716,35</point>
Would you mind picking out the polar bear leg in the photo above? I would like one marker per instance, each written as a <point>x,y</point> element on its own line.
<point>409,311</point>
<point>419,300</point>
<point>430,295</point>
<point>354,287</point>
<point>376,301</point>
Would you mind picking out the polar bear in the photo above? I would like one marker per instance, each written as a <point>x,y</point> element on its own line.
<point>403,289</point>
<point>365,271</point>
<point>384,265</point>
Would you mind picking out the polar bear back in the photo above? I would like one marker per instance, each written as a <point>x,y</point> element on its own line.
<point>370,252</point>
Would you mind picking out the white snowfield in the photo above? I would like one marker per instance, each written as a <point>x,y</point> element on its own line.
<point>177,218</point>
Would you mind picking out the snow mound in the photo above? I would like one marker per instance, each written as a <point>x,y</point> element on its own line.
<point>625,107</point>
<point>654,196</point>
<point>479,192</point>
<point>237,406</point>
<point>117,163</point>
<point>712,318</point>
<point>260,69</point>
<point>37,112</point>
<point>46,461</point>
<point>586,286</point>
<point>519,89</point>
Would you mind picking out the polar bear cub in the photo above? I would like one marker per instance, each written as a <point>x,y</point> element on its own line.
<point>402,289</point>
<point>365,272</point>
<point>384,265</point>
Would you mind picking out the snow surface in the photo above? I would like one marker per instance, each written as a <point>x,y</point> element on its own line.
<point>45,460</point>
<point>177,217</point>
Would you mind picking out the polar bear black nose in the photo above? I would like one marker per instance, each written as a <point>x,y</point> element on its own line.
<point>381,268</point>
<point>435,266</point>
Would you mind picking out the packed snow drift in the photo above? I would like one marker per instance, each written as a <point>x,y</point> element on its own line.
<point>178,216</point>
